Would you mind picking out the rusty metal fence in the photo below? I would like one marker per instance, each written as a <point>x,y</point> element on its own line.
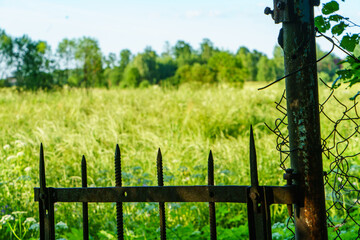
<point>298,139</point>
<point>339,148</point>
<point>258,198</point>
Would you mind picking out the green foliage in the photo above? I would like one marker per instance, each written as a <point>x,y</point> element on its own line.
<point>207,49</point>
<point>146,65</point>
<point>201,73</point>
<point>80,63</point>
<point>322,23</point>
<point>249,61</point>
<point>330,7</point>
<point>132,77</point>
<point>349,40</point>
<point>228,68</point>
<point>266,70</point>
<point>90,57</point>
<point>183,53</point>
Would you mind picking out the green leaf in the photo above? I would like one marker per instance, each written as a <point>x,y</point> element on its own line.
<point>344,74</point>
<point>322,24</point>
<point>338,29</point>
<point>336,18</point>
<point>349,42</point>
<point>330,7</point>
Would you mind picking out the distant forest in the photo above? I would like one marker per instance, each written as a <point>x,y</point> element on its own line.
<point>32,65</point>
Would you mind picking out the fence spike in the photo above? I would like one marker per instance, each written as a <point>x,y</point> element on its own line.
<point>83,172</point>
<point>253,161</point>
<point>119,205</point>
<point>210,169</point>
<point>160,177</point>
<point>118,180</point>
<point>42,201</point>
<point>42,170</point>
<point>212,213</point>
<point>85,204</point>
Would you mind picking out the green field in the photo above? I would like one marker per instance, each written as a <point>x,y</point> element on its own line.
<point>186,123</point>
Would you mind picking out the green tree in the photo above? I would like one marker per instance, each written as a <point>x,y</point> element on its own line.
<point>30,61</point>
<point>110,60</point>
<point>6,46</point>
<point>166,67</point>
<point>249,61</point>
<point>206,50</point>
<point>66,54</point>
<point>202,73</point>
<point>146,65</point>
<point>266,70</point>
<point>183,53</point>
<point>279,61</point>
<point>131,78</point>
<point>125,58</point>
<point>90,57</point>
<point>228,68</point>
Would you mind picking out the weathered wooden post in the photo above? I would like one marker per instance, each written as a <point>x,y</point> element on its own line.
<point>297,37</point>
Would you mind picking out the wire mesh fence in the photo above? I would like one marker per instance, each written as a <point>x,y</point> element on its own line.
<point>340,140</point>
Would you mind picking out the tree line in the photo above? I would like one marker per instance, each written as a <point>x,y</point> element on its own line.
<point>32,65</point>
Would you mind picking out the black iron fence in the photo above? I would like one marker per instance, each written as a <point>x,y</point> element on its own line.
<point>258,198</point>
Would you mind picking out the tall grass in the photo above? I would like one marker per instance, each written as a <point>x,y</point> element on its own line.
<point>185,123</point>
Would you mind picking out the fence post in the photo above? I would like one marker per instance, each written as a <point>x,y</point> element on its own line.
<point>297,38</point>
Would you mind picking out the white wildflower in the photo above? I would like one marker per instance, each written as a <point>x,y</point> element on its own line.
<point>30,220</point>
<point>19,154</point>
<point>7,146</point>
<point>19,143</point>
<point>6,218</point>
<point>10,157</point>
<point>28,169</point>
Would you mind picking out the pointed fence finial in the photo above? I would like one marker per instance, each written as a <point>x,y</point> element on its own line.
<point>83,172</point>
<point>160,177</point>
<point>210,169</point>
<point>253,161</point>
<point>118,180</point>
<point>159,164</point>
<point>42,170</point>
<point>212,215</point>
<point>85,204</point>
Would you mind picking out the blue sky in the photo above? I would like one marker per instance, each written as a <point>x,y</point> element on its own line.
<point>135,24</point>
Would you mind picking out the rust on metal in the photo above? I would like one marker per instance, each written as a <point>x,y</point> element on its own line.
<point>304,121</point>
<point>119,206</point>
<point>235,194</point>
<point>258,201</point>
<point>259,215</point>
<point>212,212</point>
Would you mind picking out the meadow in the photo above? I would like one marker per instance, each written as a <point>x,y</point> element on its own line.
<point>186,123</point>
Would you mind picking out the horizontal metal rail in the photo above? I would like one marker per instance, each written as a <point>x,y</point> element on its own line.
<point>236,194</point>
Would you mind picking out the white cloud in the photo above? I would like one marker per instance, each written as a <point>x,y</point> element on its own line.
<point>193,13</point>
<point>215,13</point>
